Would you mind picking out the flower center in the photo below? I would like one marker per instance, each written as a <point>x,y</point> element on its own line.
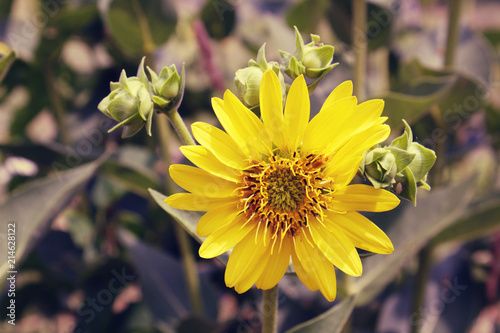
<point>285,190</point>
<point>282,193</point>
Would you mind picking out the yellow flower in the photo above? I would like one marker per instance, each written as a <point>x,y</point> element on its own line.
<point>279,188</point>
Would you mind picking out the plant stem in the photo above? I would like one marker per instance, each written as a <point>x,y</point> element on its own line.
<point>188,259</point>
<point>180,127</point>
<point>454,10</point>
<point>269,310</point>
<point>424,268</point>
<point>360,47</point>
<point>57,104</point>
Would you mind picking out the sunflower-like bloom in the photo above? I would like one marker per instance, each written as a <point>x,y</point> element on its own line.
<point>278,188</point>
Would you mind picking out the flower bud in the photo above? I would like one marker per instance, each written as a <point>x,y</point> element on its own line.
<point>166,86</point>
<point>129,103</point>
<point>380,167</point>
<point>415,173</point>
<point>247,80</point>
<point>313,59</point>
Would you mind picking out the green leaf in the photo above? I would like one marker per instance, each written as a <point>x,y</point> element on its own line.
<point>403,158</point>
<point>332,321</point>
<point>187,219</point>
<point>423,161</point>
<point>163,282</point>
<point>124,18</point>
<point>7,57</point>
<point>36,204</point>
<point>131,177</point>
<point>479,220</point>
<point>410,231</point>
<point>409,185</point>
<point>306,23</point>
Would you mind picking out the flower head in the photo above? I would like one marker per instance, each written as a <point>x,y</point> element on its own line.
<point>278,188</point>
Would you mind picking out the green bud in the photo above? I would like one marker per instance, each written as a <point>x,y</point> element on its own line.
<point>313,60</point>
<point>129,103</point>
<point>415,172</point>
<point>381,165</point>
<point>168,87</point>
<point>247,80</point>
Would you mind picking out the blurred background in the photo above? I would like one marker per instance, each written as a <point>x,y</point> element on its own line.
<point>95,253</point>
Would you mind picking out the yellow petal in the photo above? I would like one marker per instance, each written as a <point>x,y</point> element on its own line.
<point>325,124</point>
<point>365,115</point>
<point>337,248</point>
<point>190,201</point>
<point>247,261</point>
<point>276,266</point>
<point>317,266</point>
<point>201,182</point>
<point>363,198</point>
<point>204,159</point>
<point>297,110</point>
<point>361,142</point>
<point>225,238</point>
<point>307,279</point>
<point>362,232</point>
<point>220,144</point>
<point>216,218</point>
<point>250,129</point>
<point>271,107</point>
<point>343,171</point>
<point>343,90</point>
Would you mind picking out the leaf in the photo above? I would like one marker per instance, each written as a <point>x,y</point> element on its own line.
<point>124,18</point>
<point>130,177</point>
<point>163,282</point>
<point>36,204</point>
<point>378,25</point>
<point>479,220</point>
<point>332,320</point>
<point>410,231</point>
<point>7,57</point>
<point>187,219</point>
<point>306,23</point>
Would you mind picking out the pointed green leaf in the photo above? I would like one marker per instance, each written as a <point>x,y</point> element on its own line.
<point>423,161</point>
<point>479,220</point>
<point>409,231</point>
<point>33,207</point>
<point>130,177</point>
<point>332,321</point>
<point>409,184</point>
<point>403,158</point>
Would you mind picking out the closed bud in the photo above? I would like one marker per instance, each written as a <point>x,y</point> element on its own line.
<point>312,60</point>
<point>415,172</point>
<point>380,167</point>
<point>129,103</point>
<point>168,88</point>
<point>247,80</point>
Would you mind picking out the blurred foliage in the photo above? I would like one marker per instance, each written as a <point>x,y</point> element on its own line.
<point>90,212</point>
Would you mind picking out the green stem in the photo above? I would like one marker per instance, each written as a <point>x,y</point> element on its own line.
<point>454,10</point>
<point>57,104</point>
<point>180,127</point>
<point>188,259</point>
<point>360,47</point>
<point>269,310</point>
<point>424,268</point>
